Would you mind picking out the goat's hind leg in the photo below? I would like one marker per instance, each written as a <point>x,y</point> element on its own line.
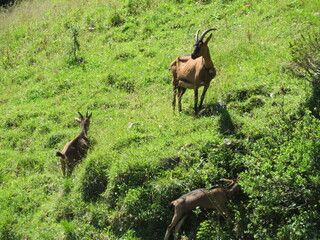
<point>175,92</point>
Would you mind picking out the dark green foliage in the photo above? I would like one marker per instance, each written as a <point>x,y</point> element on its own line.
<point>282,182</point>
<point>116,19</point>
<point>6,227</point>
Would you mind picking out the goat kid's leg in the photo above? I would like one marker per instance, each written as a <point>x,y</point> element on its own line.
<point>63,167</point>
<point>225,213</point>
<point>168,233</point>
<point>181,91</point>
<point>70,166</point>
<point>178,226</point>
<point>175,220</point>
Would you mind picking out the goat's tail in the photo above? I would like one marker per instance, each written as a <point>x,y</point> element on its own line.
<point>59,154</point>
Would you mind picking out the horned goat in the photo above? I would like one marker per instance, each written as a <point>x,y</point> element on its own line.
<point>76,149</point>
<point>193,71</point>
<point>215,198</point>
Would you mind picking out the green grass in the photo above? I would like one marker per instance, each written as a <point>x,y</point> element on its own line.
<point>120,74</point>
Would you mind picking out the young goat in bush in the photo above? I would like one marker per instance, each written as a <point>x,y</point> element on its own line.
<point>77,148</point>
<point>193,71</point>
<point>216,198</point>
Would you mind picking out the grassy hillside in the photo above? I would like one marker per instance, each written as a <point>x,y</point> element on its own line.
<point>111,58</point>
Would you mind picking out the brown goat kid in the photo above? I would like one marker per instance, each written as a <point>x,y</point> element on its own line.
<point>216,198</point>
<point>193,71</point>
<point>76,149</point>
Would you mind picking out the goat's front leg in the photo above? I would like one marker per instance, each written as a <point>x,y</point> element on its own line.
<point>205,88</point>
<point>195,99</point>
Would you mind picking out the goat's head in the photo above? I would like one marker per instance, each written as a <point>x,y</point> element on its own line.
<point>200,47</point>
<point>84,121</point>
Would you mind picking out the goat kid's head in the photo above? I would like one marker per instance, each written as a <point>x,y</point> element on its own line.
<point>233,183</point>
<point>201,46</point>
<point>84,121</point>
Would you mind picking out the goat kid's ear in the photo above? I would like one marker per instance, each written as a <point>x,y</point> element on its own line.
<point>78,119</point>
<point>208,39</point>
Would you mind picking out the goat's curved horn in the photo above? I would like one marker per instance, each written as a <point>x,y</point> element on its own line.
<point>205,32</point>
<point>80,115</point>
<point>197,35</point>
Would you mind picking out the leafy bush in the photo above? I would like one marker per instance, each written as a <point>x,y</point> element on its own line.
<point>94,178</point>
<point>306,62</point>
<point>282,182</point>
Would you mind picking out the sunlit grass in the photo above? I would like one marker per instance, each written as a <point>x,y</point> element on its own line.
<point>120,74</point>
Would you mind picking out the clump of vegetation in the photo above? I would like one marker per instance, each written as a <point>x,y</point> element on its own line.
<point>306,62</point>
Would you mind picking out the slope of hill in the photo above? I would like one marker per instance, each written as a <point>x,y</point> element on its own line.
<point>111,58</point>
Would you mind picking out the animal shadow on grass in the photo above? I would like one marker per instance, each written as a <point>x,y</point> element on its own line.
<point>219,109</point>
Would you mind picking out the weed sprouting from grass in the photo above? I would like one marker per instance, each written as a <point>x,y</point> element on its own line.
<point>74,59</point>
<point>75,41</point>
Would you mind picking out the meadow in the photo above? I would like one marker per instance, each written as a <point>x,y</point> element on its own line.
<point>111,58</point>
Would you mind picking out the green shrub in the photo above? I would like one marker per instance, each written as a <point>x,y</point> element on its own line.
<point>94,178</point>
<point>115,19</point>
<point>281,182</point>
<point>306,62</point>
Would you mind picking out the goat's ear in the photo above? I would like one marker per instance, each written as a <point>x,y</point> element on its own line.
<point>90,115</point>
<point>208,39</point>
<point>78,120</point>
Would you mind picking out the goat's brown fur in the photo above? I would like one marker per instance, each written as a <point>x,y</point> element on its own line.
<point>76,149</point>
<point>193,71</point>
<point>216,198</point>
